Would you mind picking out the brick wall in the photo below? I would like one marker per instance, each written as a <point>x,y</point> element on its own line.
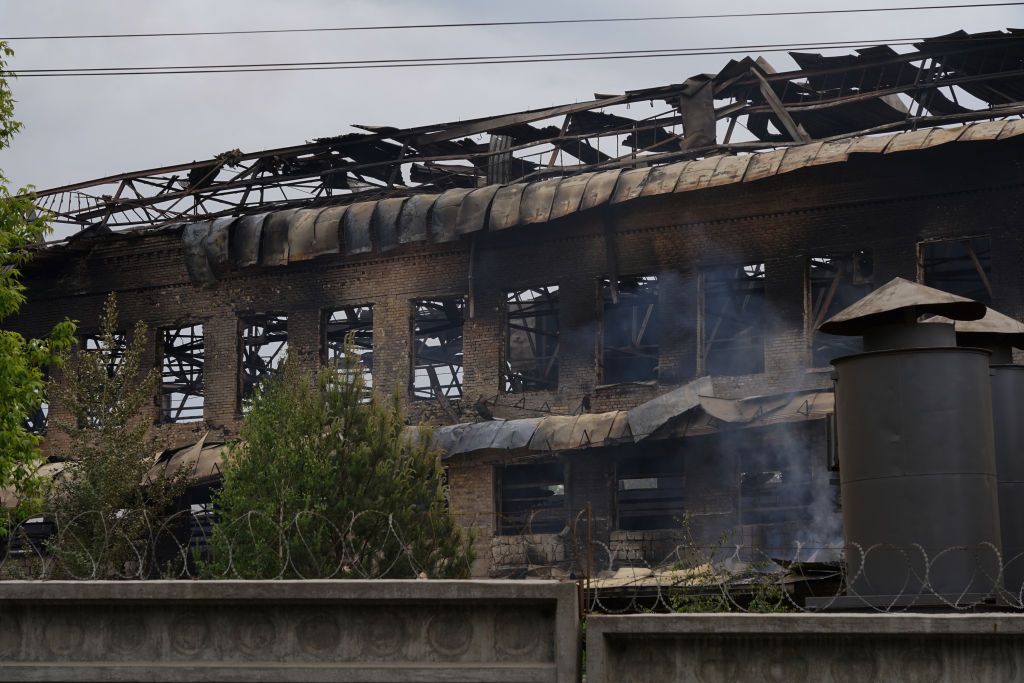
<point>884,204</point>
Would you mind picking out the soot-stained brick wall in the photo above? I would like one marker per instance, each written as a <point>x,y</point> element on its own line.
<point>887,205</point>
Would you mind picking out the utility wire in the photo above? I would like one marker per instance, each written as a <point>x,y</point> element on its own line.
<point>462,61</point>
<point>432,61</point>
<point>230,70</point>
<point>537,22</point>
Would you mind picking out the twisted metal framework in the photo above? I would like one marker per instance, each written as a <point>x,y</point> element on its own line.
<point>264,346</point>
<point>531,339</point>
<point>734,319</point>
<point>629,329</point>
<point>95,342</point>
<point>181,374</point>
<point>350,328</point>
<point>437,348</point>
<point>945,80</point>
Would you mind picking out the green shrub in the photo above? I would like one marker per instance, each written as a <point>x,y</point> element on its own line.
<point>327,485</point>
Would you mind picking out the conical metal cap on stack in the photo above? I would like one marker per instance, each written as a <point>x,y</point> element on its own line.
<point>889,317</point>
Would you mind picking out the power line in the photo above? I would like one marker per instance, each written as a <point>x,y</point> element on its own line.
<point>413,62</point>
<point>230,69</point>
<point>536,22</point>
<point>491,59</point>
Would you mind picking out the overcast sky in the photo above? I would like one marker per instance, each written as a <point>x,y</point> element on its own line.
<point>81,128</point>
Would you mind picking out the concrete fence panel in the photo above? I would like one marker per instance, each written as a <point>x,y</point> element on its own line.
<point>375,631</point>
<point>793,648</point>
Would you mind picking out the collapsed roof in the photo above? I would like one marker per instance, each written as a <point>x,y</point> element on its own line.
<point>952,79</point>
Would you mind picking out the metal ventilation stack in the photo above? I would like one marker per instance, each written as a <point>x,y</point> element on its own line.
<point>999,334</point>
<point>916,455</point>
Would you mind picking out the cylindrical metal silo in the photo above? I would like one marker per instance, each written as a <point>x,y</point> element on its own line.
<point>918,471</point>
<point>916,455</point>
<point>1008,423</point>
<point>998,334</point>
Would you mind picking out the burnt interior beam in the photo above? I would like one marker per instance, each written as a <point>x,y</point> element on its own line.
<point>795,132</point>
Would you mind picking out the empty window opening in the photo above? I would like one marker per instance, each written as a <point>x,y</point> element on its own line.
<point>181,374</point>
<point>351,325</point>
<point>835,281</point>
<point>36,421</point>
<point>734,301</point>
<point>264,347</point>
<point>437,348</point>
<point>112,349</point>
<point>531,339</point>
<point>532,499</point>
<point>962,267</point>
<point>650,492</point>
<point>629,346</point>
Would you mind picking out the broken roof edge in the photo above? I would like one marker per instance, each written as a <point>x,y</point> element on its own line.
<point>446,217</point>
<point>495,208</point>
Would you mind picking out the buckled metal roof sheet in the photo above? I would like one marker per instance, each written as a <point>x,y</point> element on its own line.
<point>245,240</point>
<point>683,412</point>
<point>386,221</point>
<point>295,235</point>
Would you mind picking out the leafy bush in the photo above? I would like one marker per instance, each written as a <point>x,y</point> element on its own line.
<point>326,485</point>
<point>106,506</point>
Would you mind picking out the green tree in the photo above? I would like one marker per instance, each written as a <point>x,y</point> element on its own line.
<point>22,361</point>
<point>327,485</point>
<point>108,507</point>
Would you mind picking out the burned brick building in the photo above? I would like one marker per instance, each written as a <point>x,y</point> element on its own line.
<point>609,312</point>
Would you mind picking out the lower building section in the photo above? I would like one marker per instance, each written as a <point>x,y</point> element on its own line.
<point>753,480</point>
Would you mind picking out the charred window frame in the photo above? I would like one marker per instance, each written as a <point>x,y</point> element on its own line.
<point>834,282</point>
<point>629,334</point>
<point>531,339</point>
<point>733,320</point>
<point>115,354</point>
<point>437,336</point>
<point>343,324</point>
<point>531,498</point>
<point>37,421</point>
<point>650,492</point>
<point>181,374</point>
<point>264,347</point>
<point>958,266</point>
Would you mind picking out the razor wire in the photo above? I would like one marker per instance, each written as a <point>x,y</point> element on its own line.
<point>621,572</point>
